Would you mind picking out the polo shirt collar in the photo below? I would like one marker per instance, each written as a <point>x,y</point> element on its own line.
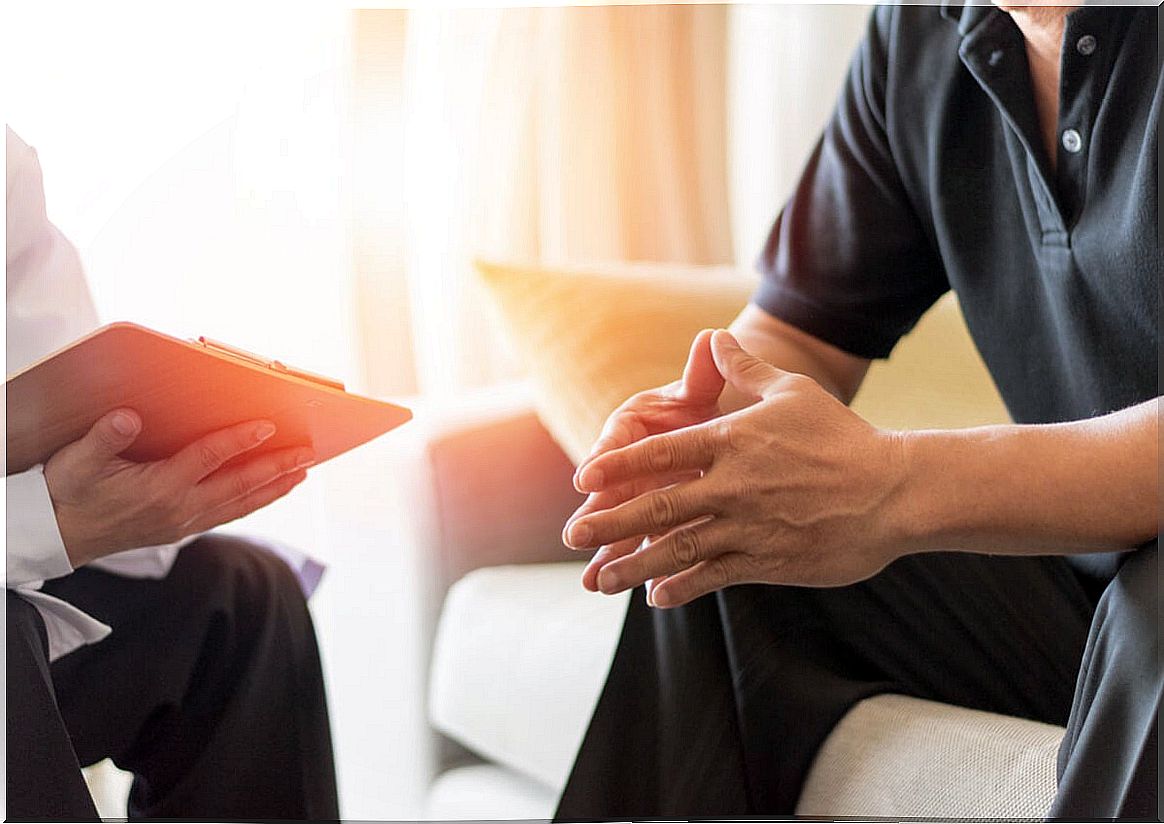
<point>966,13</point>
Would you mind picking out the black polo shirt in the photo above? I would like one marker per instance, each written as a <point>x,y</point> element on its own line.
<point>932,175</point>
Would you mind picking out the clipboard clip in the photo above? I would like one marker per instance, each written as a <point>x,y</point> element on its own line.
<point>274,365</point>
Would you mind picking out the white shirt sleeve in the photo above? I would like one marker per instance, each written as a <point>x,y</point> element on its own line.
<point>48,305</point>
<point>47,299</point>
<point>35,549</point>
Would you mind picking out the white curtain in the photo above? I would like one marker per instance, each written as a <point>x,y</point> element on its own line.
<point>554,135</point>
<point>785,68</point>
<point>666,133</point>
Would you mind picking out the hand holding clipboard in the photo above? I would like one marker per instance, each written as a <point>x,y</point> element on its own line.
<point>196,437</point>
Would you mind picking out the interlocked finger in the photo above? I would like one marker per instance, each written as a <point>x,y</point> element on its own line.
<point>670,555</point>
<point>653,513</point>
<point>603,556</point>
<point>684,450</point>
<point>622,428</point>
<point>610,498</point>
<point>702,579</point>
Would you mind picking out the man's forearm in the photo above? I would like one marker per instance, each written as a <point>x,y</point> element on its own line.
<point>1085,486</point>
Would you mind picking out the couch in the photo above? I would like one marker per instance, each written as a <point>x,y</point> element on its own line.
<point>519,651</point>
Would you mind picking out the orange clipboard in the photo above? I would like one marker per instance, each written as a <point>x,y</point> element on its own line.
<point>182,390</point>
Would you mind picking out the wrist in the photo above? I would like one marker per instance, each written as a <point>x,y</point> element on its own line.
<point>932,511</point>
<point>967,487</point>
<point>905,508</point>
<point>78,549</point>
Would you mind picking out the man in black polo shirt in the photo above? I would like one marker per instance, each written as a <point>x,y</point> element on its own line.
<point>1009,154</point>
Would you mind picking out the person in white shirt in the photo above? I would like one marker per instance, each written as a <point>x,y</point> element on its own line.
<point>208,687</point>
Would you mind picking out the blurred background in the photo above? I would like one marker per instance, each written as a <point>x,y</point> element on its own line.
<point>313,182</point>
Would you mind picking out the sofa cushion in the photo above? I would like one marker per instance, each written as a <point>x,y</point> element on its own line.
<point>522,653</point>
<point>638,323</point>
<point>903,757</point>
<point>592,336</point>
<point>520,657</point>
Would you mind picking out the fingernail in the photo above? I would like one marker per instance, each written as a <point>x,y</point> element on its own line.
<point>124,424</point>
<point>579,534</point>
<point>304,459</point>
<point>608,582</point>
<point>660,600</point>
<point>264,430</point>
<point>566,533</point>
<point>591,480</point>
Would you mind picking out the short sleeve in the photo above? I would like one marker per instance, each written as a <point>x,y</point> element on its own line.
<point>847,260</point>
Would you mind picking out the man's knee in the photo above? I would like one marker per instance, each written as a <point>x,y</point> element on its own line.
<point>25,635</point>
<point>1128,613</point>
<point>244,577</point>
<point>230,561</point>
<point>1108,762</point>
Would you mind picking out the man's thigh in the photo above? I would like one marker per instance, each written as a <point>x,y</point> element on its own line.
<point>999,634</point>
<point>1003,634</point>
<point>752,679</point>
<point>173,638</point>
<point>1109,761</point>
<point>43,777</point>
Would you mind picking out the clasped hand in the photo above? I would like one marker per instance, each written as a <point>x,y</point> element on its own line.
<point>794,489</point>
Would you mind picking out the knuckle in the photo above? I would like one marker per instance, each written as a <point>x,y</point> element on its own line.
<point>727,432</point>
<point>746,489</point>
<point>718,572</point>
<point>686,548</point>
<point>661,510</point>
<point>754,368</point>
<point>709,439</point>
<point>208,456</point>
<point>636,400</point>
<point>239,485</point>
<point>797,383</point>
<point>159,499</point>
<point>105,438</point>
<point>661,456</point>
<point>288,483</point>
<point>629,408</point>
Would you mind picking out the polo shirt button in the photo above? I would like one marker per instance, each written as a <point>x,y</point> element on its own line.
<point>1072,142</point>
<point>1086,45</point>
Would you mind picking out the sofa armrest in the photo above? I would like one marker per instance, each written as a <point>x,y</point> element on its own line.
<point>477,482</point>
<point>487,486</point>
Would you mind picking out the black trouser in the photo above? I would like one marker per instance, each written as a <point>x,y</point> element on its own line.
<point>209,691</point>
<point>717,709</point>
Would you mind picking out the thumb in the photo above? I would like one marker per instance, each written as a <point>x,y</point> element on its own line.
<point>702,380</point>
<point>111,435</point>
<point>744,371</point>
